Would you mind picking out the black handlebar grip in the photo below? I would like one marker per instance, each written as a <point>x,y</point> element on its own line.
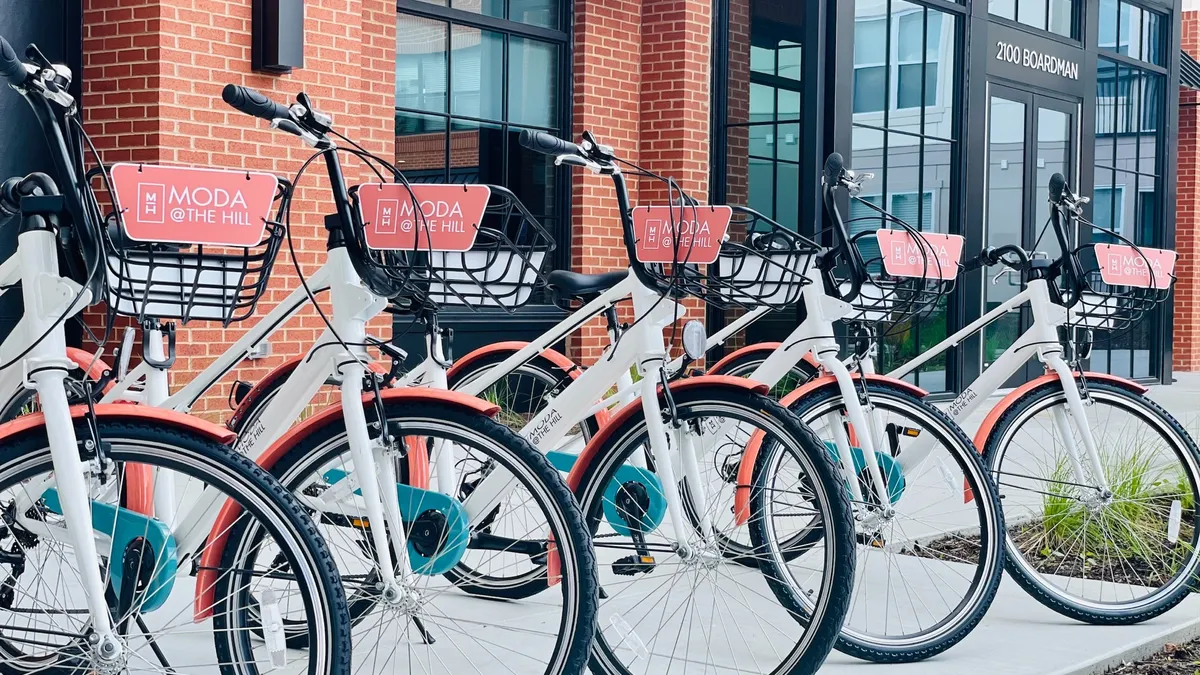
<point>1057,183</point>
<point>10,66</point>
<point>547,144</point>
<point>253,103</point>
<point>834,166</point>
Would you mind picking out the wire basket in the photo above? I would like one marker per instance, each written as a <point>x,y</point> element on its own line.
<point>504,266</point>
<point>1118,284</point>
<point>186,281</point>
<point>907,273</point>
<point>760,263</point>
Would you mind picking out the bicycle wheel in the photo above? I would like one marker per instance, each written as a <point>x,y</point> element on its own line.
<point>929,561</point>
<point>665,607</point>
<point>273,561</point>
<point>746,364</point>
<point>1116,556</point>
<point>434,624</point>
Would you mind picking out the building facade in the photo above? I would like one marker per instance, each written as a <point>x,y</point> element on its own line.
<point>962,110</point>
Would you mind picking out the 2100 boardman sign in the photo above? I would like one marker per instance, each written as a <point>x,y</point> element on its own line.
<point>1024,57</point>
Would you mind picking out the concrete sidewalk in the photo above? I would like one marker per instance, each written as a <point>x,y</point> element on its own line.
<point>1021,637</point>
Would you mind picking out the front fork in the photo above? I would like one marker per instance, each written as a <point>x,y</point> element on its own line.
<point>865,429</point>
<point>659,433</point>
<point>1075,413</point>
<point>376,476</point>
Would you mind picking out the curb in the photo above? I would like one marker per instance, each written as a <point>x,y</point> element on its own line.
<point>1148,646</point>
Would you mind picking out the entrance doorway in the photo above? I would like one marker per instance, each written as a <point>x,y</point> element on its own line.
<point>1031,136</point>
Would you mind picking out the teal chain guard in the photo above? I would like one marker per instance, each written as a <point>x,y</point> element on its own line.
<point>415,501</point>
<point>655,513</point>
<point>888,466</point>
<point>122,526</point>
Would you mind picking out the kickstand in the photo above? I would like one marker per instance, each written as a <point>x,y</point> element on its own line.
<point>425,635</point>
<point>158,652</point>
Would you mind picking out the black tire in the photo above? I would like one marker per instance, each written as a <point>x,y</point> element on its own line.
<point>433,420</point>
<point>276,514</point>
<point>962,608</point>
<point>1157,423</point>
<point>811,649</point>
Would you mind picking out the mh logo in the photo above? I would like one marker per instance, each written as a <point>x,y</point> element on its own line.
<point>151,202</point>
<point>385,216</point>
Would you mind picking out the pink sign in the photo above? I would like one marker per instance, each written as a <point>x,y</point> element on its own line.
<point>1141,267</point>
<point>184,205</point>
<point>448,219</point>
<point>936,256</point>
<point>668,234</point>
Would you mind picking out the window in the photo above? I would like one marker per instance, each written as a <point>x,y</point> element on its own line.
<point>913,41</point>
<point>1127,29</point>
<point>1127,196</point>
<point>1056,16</point>
<point>906,133</point>
<point>763,111</point>
<point>465,88</point>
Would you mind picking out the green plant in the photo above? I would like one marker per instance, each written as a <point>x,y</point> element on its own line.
<point>1132,525</point>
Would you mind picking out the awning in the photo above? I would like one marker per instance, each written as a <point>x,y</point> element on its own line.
<point>1189,71</point>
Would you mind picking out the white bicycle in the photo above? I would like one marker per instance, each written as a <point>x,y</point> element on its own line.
<point>105,567</point>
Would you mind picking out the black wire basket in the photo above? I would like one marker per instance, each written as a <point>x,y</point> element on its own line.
<point>185,282</point>
<point>504,267</point>
<point>898,292</point>
<point>1115,307</point>
<point>760,263</point>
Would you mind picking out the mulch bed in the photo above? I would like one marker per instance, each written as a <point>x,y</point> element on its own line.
<point>1171,660</point>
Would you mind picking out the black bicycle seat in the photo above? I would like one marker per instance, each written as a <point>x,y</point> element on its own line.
<point>574,285</point>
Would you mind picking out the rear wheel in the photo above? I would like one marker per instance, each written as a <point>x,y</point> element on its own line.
<point>1116,556</point>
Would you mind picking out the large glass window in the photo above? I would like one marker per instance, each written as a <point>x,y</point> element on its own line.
<point>896,60</point>
<point>764,110</point>
<point>906,133</point>
<point>1056,16</point>
<point>1128,184</point>
<point>1132,31</point>
<point>465,90</point>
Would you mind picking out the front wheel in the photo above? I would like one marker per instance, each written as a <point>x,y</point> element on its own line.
<point>1116,556</point>
<point>670,604</point>
<point>930,554</point>
<point>166,601</point>
<point>433,625</point>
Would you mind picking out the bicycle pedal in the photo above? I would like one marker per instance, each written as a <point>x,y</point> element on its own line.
<point>633,565</point>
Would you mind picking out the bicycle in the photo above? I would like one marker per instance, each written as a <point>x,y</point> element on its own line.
<point>923,599</point>
<point>95,570</point>
<point>1055,443</point>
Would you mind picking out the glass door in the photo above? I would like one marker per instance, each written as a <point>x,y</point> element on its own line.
<point>1030,138</point>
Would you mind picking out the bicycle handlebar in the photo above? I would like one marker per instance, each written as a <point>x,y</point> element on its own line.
<point>254,104</point>
<point>10,66</point>
<point>994,255</point>
<point>1057,185</point>
<point>547,144</point>
<point>834,166</point>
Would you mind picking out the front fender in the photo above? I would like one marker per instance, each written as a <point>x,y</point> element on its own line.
<point>989,422</point>
<point>418,468</point>
<point>763,348</point>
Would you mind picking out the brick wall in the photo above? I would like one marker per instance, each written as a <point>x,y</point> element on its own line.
<point>1187,215</point>
<point>642,85</point>
<point>153,74</point>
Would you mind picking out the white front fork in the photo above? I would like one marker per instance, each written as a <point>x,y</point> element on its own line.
<point>157,392</point>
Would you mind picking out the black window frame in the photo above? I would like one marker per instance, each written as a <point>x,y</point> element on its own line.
<point>562,39</point>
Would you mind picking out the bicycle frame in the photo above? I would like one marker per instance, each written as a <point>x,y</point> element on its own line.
<point>1040,340</point>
